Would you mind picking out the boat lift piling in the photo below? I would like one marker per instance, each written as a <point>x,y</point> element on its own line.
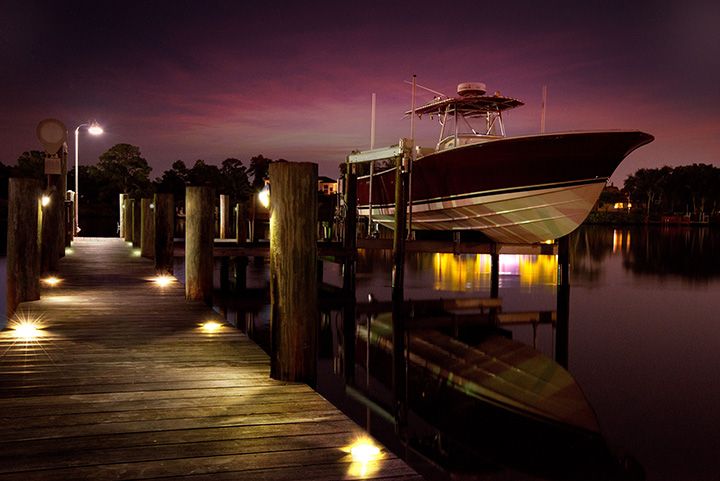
<point>349,268</point>
<point>402,154</point>
<point>562,326</point>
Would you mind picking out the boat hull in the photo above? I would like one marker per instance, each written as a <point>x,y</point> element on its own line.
<point>514,190</point>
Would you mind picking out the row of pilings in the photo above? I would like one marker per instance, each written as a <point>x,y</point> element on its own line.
<point>37,239</point>
<point>149,224</point>
<point>39,229</point>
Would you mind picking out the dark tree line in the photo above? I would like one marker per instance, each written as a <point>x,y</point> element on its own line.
<point>123,169</point>
<point>688,189</point>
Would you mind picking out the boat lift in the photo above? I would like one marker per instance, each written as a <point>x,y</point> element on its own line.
<point>402,156</point>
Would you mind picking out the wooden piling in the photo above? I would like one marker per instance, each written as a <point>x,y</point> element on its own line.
<point>164,232</point>
<point>199,237</point>
<point>23,242</point>
<point>562,327</point>
<point>293,276</point>
<point>241,225</point>
<point>136,222</point>
<point>69,222</point>
<point>123,197</point>
<point>349,271</point>
<point>225,216</point>
<point>128,208</point>
<point>399,371</point>
<point>147,230</point>
<point>53,243</point>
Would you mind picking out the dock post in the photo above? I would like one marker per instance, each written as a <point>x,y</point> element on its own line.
<point>69,221</point>
<point>241,228</point>
<point>164,232</point>
<point>52,230</point>
<point>147,230</point>
<point>562,327</point>
<point>398,293</point>
<point>136,222</point>
<point>225,216</point>
<point>349,271</point>
<point>127,217</point>
<point>199,237</point>
<point>240,264</point>
<point>293,277</point>
<point>494,271</point>
<point>123,197</point>
<point>23,242</point>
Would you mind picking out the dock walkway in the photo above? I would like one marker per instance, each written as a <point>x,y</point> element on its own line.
<point>123,383</point>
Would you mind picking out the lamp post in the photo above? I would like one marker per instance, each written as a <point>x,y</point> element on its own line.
<point>93,128</point>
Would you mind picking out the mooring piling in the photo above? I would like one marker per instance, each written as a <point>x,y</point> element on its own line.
<point>199,237</point>
<point>293,276</point>
<point>23,242</point>
<point>164,232</point>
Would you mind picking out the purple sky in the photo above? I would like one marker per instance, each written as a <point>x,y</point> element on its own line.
<point>209,80</point>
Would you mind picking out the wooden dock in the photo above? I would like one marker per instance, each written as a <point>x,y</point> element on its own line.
<point>123,383</point>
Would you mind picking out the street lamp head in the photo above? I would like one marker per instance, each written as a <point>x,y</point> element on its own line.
<point>95,129</point>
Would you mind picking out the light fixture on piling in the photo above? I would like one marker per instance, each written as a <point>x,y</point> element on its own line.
<point>264,194</point>
<point>45,200</point>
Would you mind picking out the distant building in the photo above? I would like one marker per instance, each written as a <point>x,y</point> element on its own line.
<point>612,199</point>
<point>327,186</point>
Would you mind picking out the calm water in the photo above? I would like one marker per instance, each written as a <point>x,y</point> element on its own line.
<point>644,344</point>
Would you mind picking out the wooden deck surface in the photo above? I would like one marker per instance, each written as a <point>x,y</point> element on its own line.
<point>124,384</point>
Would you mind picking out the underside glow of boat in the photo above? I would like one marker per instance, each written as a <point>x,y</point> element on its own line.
<point>523,189</point>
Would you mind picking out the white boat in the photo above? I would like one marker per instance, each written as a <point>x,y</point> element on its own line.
<point>523,189</point>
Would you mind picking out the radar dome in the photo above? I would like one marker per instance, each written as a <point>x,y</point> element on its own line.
<point>471,88</point>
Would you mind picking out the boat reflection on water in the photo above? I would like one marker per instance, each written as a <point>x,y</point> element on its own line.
<point>476,402</point>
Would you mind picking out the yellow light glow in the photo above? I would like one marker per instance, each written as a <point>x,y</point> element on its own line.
<point>163,280</point>
<point>25,327</point>
<point>211,327</point>
<point>364,451</point>
<point>45,200</point>
<point>264,196</point>
<point>69,251</point>
<point>364,454</point>
<point>136,253</point>
<point>51,281</point>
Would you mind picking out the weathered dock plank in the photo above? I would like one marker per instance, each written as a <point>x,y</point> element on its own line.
<point>123,383</point>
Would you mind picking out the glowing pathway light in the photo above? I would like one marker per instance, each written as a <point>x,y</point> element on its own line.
<point>163,280</point>
<point>45,200</point>
<point>25,327</point>
<point>364,451</point>
<point>27,331</point>
<point>364,454</point>
<point>51,281</point>
<point>210,327</point>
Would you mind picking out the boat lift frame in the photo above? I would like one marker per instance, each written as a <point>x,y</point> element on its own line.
<point>402,154</point>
